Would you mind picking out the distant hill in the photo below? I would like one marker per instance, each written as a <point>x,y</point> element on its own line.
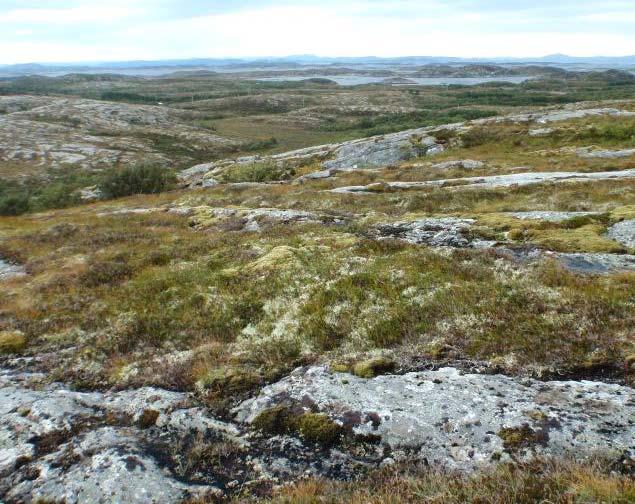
<point>143,67</point>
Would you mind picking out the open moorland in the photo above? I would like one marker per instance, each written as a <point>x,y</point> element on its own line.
<point>215,287</point>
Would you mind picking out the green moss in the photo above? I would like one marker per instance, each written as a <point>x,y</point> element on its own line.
<point>318,428</point>
<point>516,438</point>
<point>275,420</point>
<point>12,342</point>
<point>587,238</point>
<point>314,427</point>
<point>374,367</point>
<point>148,418</point>
<point>227,380</point>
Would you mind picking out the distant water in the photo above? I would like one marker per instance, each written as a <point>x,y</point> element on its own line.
<point>356,80</point>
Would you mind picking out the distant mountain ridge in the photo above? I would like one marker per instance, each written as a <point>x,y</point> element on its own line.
<point>558,60</point>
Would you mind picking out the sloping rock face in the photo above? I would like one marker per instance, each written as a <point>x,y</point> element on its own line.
<point>377,152</point>
<point>624,233</point>
<point>465,164</point>
<point>464,421</point>
<point>565,114</point>
<point>89,133</point>
<point>493,181</point>
<point>371,152</point>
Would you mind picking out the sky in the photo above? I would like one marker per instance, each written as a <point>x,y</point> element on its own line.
<point>123,30</point>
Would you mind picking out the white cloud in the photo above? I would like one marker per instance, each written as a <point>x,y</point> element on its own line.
<point>330,29</point>
<point>82,14</point>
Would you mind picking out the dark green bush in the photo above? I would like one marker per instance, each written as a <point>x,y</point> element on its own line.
<point>14,204</point>
<point>131,180</point>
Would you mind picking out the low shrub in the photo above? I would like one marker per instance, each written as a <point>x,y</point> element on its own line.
<point>143,179</point>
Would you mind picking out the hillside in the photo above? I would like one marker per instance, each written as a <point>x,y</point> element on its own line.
<point>458,296</point>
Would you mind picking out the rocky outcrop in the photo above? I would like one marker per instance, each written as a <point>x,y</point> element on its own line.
<point>494,181</point>
<point>435,232</point>
<point>56,444</point>
<point>550,216</point>
<point>384,150</point>
<point>371,152</point>
<point>565,114</point>
<point>465,164</point>
<point>595,263</point>
<point>8,270</point>
<point>93,134</point>
<point>464,421</point>
<point>146,445</point>
<point>624,233</point>
<point>249,219</point>
<point>591,153</point>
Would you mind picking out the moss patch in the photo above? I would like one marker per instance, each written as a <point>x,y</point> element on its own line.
<point>588,238</point>
<point>318,428</point>
<point>516,438</point>
<point>374,367</point>
<point>275,420</point>
<point>12,342</point>
<point>314,427</point>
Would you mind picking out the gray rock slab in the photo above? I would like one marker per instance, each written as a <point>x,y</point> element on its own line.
<point>595,263</point>
<point>549,216</point>
<point>457,420</point>
<point>494,181</point>
<point>624,233</point>
<point>8,270</point>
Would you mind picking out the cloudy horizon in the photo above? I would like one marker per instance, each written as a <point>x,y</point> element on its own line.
<point>82,31</point>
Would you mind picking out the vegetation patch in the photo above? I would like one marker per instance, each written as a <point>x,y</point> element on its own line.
<point>517,438</point>
<point>130,180</point>
<point>12,342</point>
<point>314,427</point>
<point>263,171</point>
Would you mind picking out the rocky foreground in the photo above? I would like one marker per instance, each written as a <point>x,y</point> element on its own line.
<point>138,446</point>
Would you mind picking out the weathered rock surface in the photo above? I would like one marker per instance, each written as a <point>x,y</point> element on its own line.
<point>466,164</point>
<point>8,270</point>
<point>595,263</point>
<point>131,446</point>
<point>538,132</point>
<point>565,114</point>
<point>624,233</point>
<point>91,134</point>
<point>515,179</point>
<point>591,153</point>
<point>56,444</point>
<point>461,420</point>
<point>435,232</point>
<point>549,216</point>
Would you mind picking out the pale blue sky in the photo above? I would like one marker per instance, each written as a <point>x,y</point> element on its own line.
<point>81,30</point>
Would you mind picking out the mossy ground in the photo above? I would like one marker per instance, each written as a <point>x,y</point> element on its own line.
<point>198,303</point>
<point>127,290</point>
